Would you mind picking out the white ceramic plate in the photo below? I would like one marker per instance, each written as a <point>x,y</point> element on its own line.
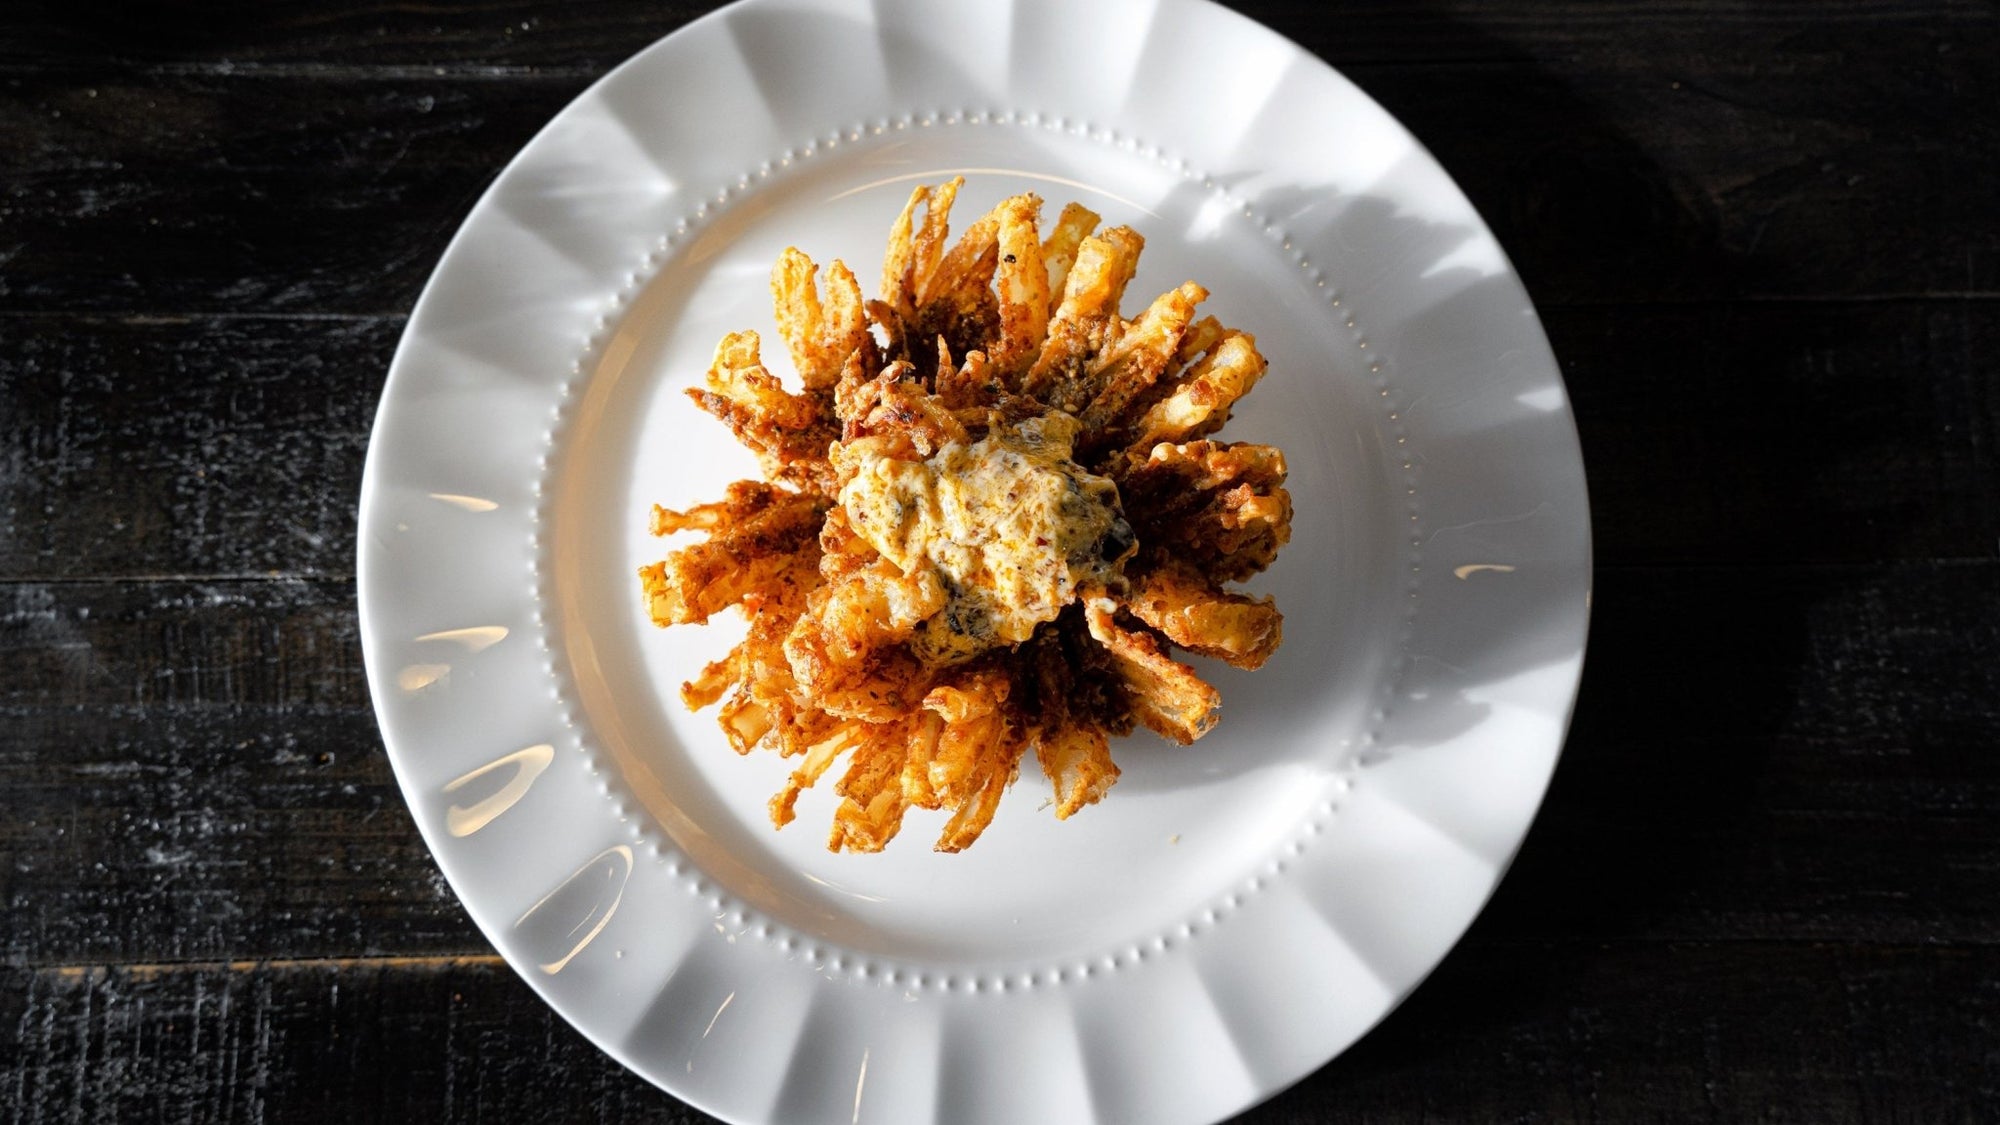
<point>1235,913</point>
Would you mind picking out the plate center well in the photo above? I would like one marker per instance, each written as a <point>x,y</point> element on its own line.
<point>1185,824</point>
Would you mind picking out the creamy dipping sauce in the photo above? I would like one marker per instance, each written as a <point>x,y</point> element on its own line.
<point>1010,524</point>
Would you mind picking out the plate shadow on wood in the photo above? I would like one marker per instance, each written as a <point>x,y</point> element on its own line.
<point>1658,796</point>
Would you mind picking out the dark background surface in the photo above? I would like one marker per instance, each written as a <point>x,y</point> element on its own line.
<point>1765,239</point>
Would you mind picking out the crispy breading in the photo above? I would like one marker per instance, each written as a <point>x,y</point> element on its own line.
<point>978,753</point>
<point>841,551</point>
<point>932,294</point>
<point>821,336</point>
<point>1076,758</point>
<point>1074,753</point>
<point>972,718</point>
<point>930,240</point>
<point>970,818</point>
<point>774,549</point>
<point>1222,507</point>
<point>910,422</point>
<point>1126,371</point>
<point>890,651</point>
<point>762,706</point>
<point>846,621</point>
<point>971,383</point>
<point>740,501</point>
<point>1164,694</point>
<point>1199,399</point>
<point>899,260</point>
<point>1086,323</point>
<point>1202,337</point>
<point>818,756</point>
<point>1059,249</point>
<point>872,804</point>
<point>1190,609</point>
<point>1023,291</point>
<point>789,433</point>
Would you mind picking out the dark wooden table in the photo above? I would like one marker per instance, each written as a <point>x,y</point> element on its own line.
<point>1765,237</point>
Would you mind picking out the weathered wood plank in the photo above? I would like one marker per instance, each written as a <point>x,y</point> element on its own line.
<point>1801,433</point>
<point>1713,433</point>
<point>1499,1033</point>
<point>191,771</point>
<point>215,447</point>
<point>500,38</point>
<point>444,1040</point>
<point>285,647</point>
<point>1645,161</point>
<point>168,195</point>
<point>487,39</point>
<point>1803,168</point>
<point>1761,752</point>
<point>1682,1032</point>
<point>141,833</point>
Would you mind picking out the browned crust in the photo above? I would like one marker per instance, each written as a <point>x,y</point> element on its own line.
<point>997,327</point>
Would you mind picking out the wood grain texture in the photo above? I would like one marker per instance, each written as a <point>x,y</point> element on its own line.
<point>189,770</point>
<point>1772,1032</point>
<point>171,195</point>
<point>1727,433</point>
<point>500,39</point>
<point>1680,164</point>
<point>219,447</point>
<point>1762,237</point>
<point>438,1039</point>
<point>1715,433</point>
<point>1802,753</point>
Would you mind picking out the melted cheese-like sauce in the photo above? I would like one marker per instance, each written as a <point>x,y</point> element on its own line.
<point>1009,523</point>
